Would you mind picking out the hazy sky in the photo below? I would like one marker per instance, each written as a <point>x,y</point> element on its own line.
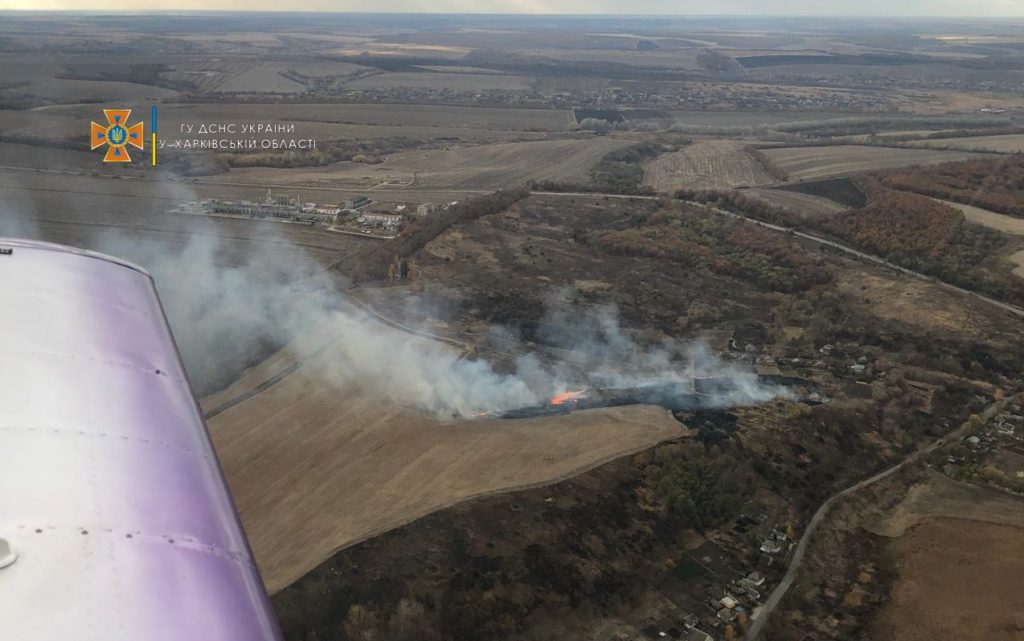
<point>968,8</point>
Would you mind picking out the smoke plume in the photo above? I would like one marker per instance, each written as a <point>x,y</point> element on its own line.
<point>227,314</point>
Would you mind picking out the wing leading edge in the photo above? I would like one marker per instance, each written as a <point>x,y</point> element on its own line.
<point>111,498</point>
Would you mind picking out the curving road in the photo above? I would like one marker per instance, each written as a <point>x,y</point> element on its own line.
<point>1013,309</point>
<point>757,624</point>
<point>1006,307</point>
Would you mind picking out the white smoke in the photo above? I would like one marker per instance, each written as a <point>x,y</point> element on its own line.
<point>228,312</point>
<point>420,373</point>
<point>606,355</point>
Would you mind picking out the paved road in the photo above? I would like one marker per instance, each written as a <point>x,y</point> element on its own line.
<point>757,624</point>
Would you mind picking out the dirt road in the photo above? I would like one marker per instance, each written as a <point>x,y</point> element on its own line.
<point>761,616</point>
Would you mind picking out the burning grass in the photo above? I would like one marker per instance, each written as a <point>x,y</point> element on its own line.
<point>738,388</point>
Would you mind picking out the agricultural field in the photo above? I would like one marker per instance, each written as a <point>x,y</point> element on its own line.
<point>266,78</point>
<point>394,116</point>
<point>672,59</point>
<point>971,101</point>
<point>809,163</point>
<point>62,79</point>
<point>234,40</point>
<point>59,125</point>
<point>246,74</point>
<point>887,136</point>
<point>805,205</point>
<point>495,118</point>
<point>315,466</point>
<point>522,40</point>
<point>722,118</point>
<point>433,80</point>
<point>478,167</point>
<point>49,159</point>
<point>990,219</point>
<point>71,202</point>
<point>269,40</point>
<point>81,210</point>
<point>54,90</point>
<point>707,164</point>
<point>1007,144</point>
<point>379,48</point>
<point>966,527</point>
<point>751,92</point>
<point>575,525</point>
<point>207,73</point>
<point>13,121</point>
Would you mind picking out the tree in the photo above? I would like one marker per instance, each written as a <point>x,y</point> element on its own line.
<point>704,489</point>
<point>974,423</point>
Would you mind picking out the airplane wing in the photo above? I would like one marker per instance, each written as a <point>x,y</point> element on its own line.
<point>115,520</point>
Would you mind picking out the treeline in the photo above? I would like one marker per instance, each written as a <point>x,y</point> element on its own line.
<point>622,172</point>
<point>991,183</point>
<point>769,165</point>
<point>327,153</point>
<point>824,131</point>
<point>922,234</point>
<point>897,225</point>
<point>956,133</point>
<point>700,239</point>
<point>873,124</point>
<point>184,163</point>
<point>738,202</point>
<point>719,62</point>
<point>907,229</point>
<point>77,143</point>
<point>618,172</point>
<point>373,265</point>
<point>502,568</point>
<point>705,487</point>
<point>137,73</point>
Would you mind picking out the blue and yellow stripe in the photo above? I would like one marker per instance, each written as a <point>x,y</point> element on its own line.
<point>153,136</point>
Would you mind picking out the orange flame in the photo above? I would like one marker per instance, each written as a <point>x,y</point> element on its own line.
<point>567,396</point>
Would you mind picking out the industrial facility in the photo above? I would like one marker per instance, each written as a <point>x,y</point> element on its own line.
<point>353,215</point>
<point>273,206</point>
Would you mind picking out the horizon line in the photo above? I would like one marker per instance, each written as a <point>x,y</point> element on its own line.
<point>130,12</point>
